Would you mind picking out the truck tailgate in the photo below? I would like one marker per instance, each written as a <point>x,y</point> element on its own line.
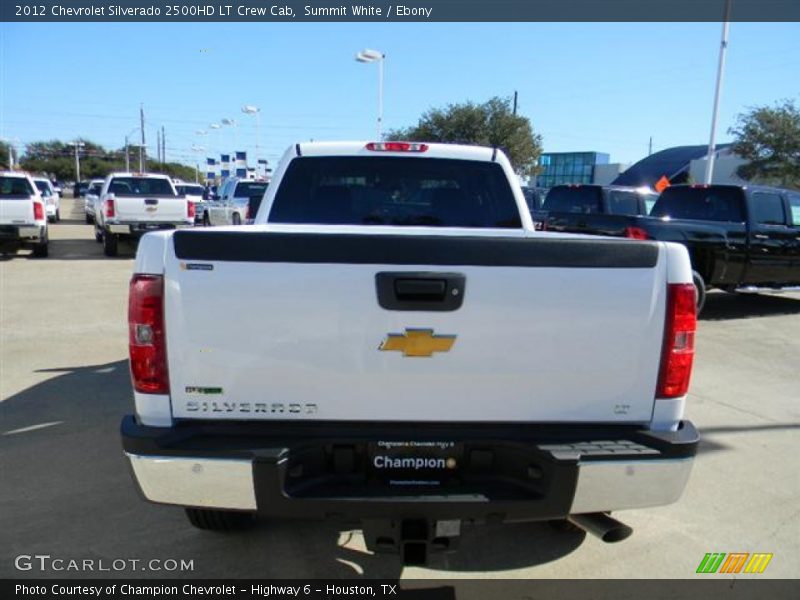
<point>155,208</point>
<point>278,324</point>
<point>15,211</point>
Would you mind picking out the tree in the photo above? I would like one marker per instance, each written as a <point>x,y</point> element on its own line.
<point>769,139</point>
<point>492,123</point>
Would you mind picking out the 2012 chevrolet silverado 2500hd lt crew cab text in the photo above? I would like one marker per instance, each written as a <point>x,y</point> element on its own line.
<point>402,348</point>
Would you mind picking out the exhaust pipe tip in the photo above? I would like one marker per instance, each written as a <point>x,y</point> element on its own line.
<point>603,526</point>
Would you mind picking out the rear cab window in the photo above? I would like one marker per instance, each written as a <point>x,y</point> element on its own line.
<point>701,204</point>
<point>622,202</point>
<point>141,186</point>
<point>15,187</point>
<point>357,190</point>
<point>248,189</point>
<point>574,199</point>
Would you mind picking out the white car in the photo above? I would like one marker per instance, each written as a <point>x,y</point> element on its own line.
<point>23,219</point>
<point>90,200</point>
<point>193,192</point>
<point>401,347</point>
<point>132,204</point>
<point>237,202</point>
<point>51,198</point>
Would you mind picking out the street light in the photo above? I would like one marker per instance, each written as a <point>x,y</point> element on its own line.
<point>197,150</point>
<point>218,128</point>
<point>249,109</point>
<point>232,123</point>
<point>12,148</point>
<point>371,56</point>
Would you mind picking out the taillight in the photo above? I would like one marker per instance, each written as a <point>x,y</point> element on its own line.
<point>190,210</point>
<point>636,233</point>
<point>397,147</point>
<point>146,335</point>
<point>38,211</point>
<point>110,209</point>
<point>677,354</point>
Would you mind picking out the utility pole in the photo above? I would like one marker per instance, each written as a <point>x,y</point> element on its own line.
<point>650,146</point>
<point>127,157</point>
<point>158,146</point>
<point>163,145</point>
<point>720,71</point>
<point>515,103</point>
<point>142,151</point>
<point>78,145</point>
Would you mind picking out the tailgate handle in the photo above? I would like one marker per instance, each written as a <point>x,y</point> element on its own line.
<point>421,291</point>
<point>151,201</point>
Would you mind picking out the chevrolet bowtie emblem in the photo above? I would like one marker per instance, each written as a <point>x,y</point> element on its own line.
<point>418,342</point>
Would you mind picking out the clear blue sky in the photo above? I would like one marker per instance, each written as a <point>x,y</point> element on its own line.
<point>584,86</point>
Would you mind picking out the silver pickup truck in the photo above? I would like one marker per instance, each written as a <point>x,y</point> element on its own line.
<point>131,204</point>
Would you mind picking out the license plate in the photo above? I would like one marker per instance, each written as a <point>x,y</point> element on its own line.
<point>415,462</point>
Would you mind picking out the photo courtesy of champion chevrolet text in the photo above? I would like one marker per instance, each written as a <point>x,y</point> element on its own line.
<point>434,300</point>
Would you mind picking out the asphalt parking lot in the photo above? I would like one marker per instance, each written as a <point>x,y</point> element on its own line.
<point>66,491</point>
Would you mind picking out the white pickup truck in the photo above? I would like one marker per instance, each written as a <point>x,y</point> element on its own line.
<point>23,216</point>
<point>131,204</point>
<point>402,348</point>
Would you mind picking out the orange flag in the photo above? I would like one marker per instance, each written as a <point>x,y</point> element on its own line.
<point>662,184</point>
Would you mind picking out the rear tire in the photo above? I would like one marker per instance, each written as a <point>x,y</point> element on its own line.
<point>206,220</point>
<point>89,219</point>
<point>58,215</point>
<point>110,246</point>
<point>700,289</point>
<point>41,250</point>
<point>220,520</point>
<point>236,219</point>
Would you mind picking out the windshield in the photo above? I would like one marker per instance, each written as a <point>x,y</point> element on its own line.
<point>582,199</point>
<point>94,189</point>
<point>395,191</point>
<point>14,187</point>
<point>43,186</point>
<point>245,189</point>
<point>141,186</point>
<point>701,204</point>
<point>194,190</point>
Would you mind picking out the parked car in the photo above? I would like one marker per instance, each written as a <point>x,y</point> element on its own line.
<point>401,347</point>
<point>194,192</point>
<point>90,200</point>
<point>51,198</point>
<point>58,187</point>
<point>131,204</point>
<point>593,209</point>
<point>237,202</point>
<point>23,218</point>
<point>534,197</point>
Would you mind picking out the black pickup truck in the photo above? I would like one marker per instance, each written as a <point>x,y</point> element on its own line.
<point>593,209</point>
<point>740,238</point>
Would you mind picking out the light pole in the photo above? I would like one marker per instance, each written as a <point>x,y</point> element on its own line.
<point>197,150</point>
<point>717,93</point>
<point>12,147</point>
<point>218,128</point>
<point>78,145</point>
<point>232,123</point>
<point>370,56</point>
<point>249,109</point>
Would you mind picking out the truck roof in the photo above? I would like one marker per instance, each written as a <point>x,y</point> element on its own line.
<point>433,150</point>
<point>130,174</point>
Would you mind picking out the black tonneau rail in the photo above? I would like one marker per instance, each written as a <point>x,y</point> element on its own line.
<point>335,248</point>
